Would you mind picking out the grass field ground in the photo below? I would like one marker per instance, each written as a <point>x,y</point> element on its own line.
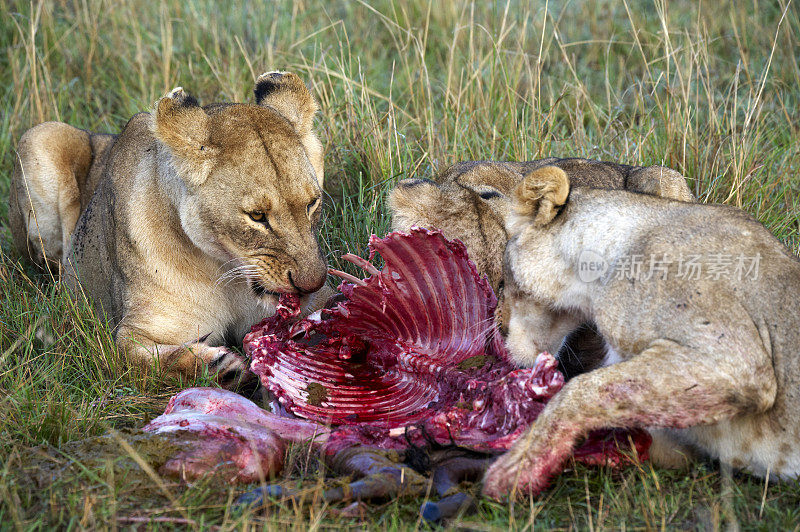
<point>711,89</point>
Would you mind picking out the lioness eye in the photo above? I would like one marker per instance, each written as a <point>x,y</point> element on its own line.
<point>311,205</point>
<point>258,216</point>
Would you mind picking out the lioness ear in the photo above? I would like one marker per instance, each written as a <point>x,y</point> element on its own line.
<point>413,202</point>
<point>541,193</point>
<point>287,94</point>
<point>660,181</point>
<point>182,125</point>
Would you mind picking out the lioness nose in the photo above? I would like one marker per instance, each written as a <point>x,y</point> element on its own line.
<point>309,279</point>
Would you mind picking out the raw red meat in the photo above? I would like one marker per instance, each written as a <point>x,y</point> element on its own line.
<point>412,355</point>
<point>224,432</point>
<point>195,407</point>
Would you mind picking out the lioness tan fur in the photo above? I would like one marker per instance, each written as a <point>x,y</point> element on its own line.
<point>709,354</point>
<point>463,203</point>
<point>185,227</point>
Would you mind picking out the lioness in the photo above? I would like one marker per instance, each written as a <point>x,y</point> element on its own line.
<point>461,202</point>
<point>705,332</point>
<point>184,228</point>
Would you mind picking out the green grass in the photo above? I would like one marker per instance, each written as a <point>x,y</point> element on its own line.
<point>406,88</point>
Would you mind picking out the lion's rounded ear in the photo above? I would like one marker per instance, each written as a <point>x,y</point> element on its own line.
<point>660,181</point>
<point>286,93</point>
<point>414,201</point>
<point>541,193</point>
<point>182,126</point>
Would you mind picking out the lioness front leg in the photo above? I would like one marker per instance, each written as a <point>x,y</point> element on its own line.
<point>187,360</point>
<point>667,385</point>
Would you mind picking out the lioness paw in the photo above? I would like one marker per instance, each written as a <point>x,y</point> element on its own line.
<point>230,367</point>
<point>513,476</point>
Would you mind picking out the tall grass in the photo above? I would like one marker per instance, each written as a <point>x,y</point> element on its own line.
<point>406,88</point>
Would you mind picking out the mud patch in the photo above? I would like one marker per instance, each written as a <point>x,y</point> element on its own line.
<point>476,362</point>
<point>317,394</point>
<point>46,465</point>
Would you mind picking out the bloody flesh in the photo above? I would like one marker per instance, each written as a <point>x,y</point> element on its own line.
<point>411,355</point>
<point>393,348</point>
<point>220,431</point>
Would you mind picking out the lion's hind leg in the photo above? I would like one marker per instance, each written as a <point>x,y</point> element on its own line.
<point>44,201</point>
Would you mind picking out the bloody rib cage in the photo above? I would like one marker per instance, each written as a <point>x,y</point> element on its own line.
<point>411,354</point>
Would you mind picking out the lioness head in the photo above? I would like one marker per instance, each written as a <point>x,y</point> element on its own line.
<point>468,201</point>
<point>533,203</point>
<point>461,204</point>
<point>249,181</point>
